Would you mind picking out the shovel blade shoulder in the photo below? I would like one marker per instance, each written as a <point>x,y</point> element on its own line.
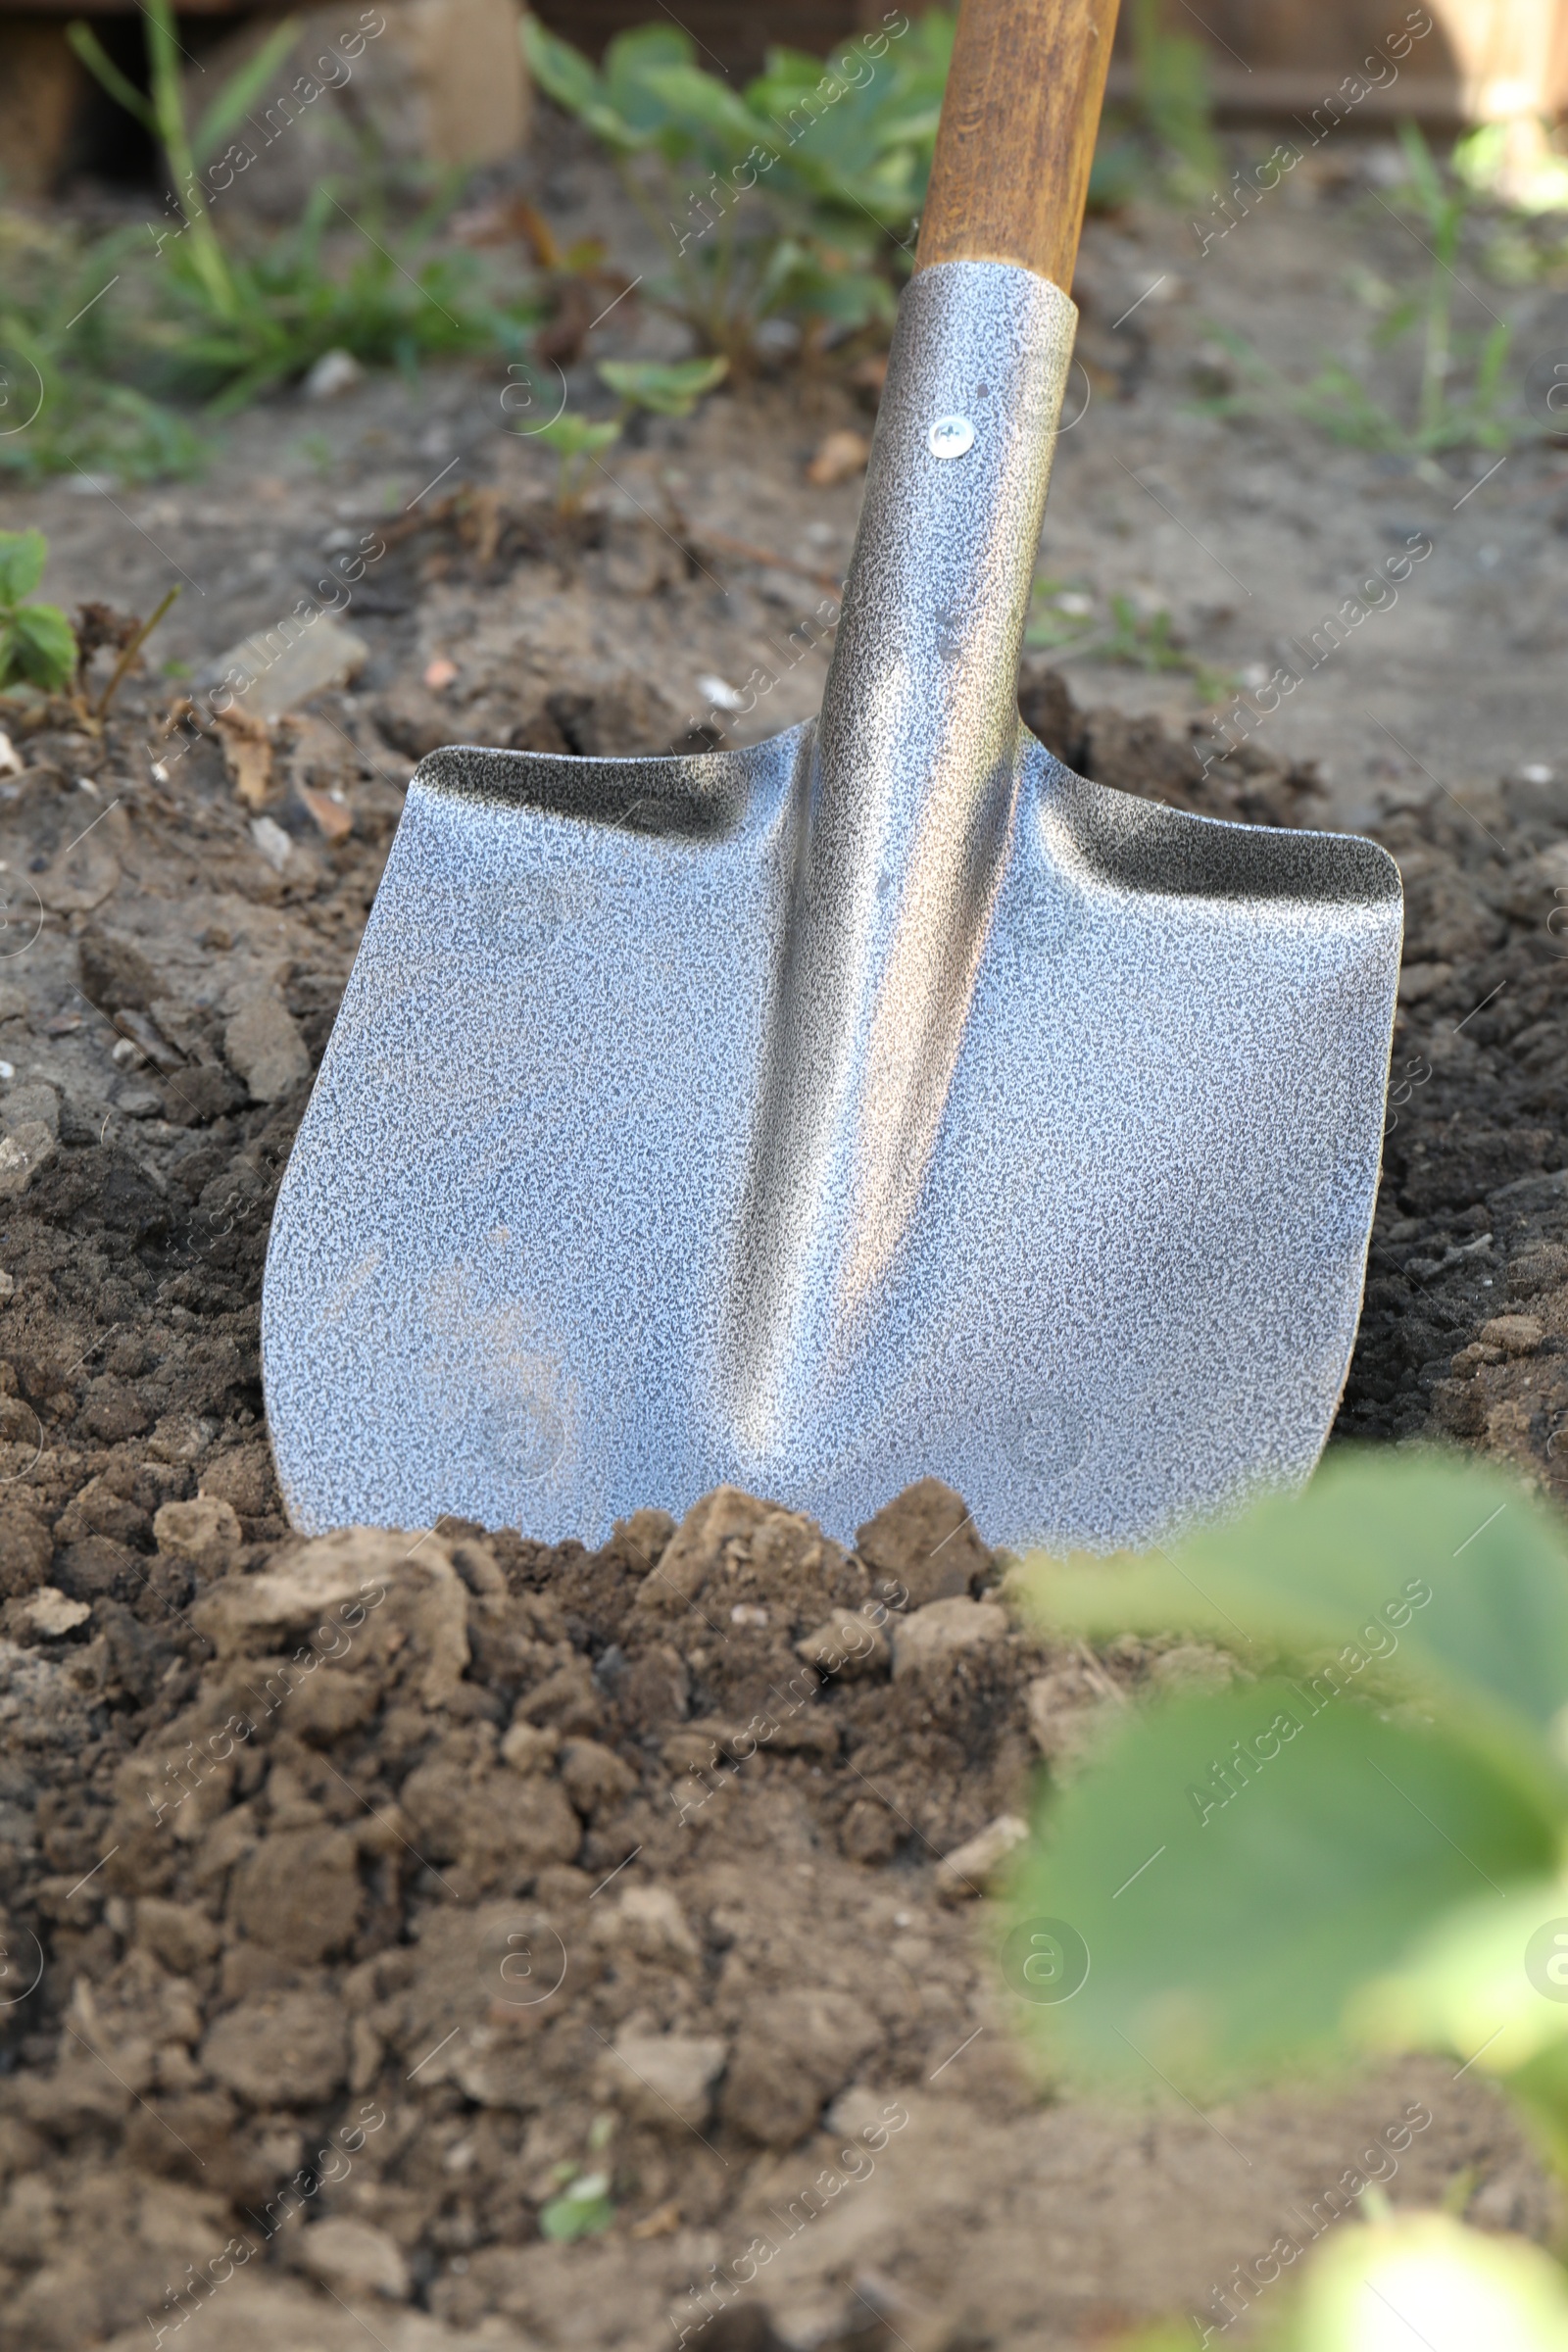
<point>1129,843</point>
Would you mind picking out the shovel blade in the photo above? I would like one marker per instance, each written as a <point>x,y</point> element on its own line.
<point>534,1263</point>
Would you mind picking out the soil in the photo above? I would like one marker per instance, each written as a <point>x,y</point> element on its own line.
<point>364,1897</point>
<point>375,1888</point>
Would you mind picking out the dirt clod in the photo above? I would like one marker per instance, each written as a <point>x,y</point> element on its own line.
<point>925,1543</point>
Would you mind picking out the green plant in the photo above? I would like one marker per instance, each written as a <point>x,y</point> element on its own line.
<point>226,324</point>
<point>577,442</point>
<point>1459,2287</point>
<point>1060,619</point>
<point>1149,642</point>
<point>1161,140</point>
<point>1341,402</point>
<point>163,116</point>
<point>391,306</point>
<point>64,409</point>
<point>1529,186</point>
<point>38,643</point>
<point>662,389</point>
<point>1361,1846</point>
<point>792,198</point>
<point>1059,615</point>
<point>583,2208</point>
<point>1442,206</point>
<point>797,197</point>
<point>1526,196</point>
<point>130,639</point>
<point>1364,1841</point>
<point>1173,101</point>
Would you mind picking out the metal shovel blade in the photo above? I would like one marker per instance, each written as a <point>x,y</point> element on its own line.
<point>880,1101</point>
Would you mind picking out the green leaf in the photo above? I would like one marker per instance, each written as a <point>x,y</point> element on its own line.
<point>700,101</point>
<point>561,71</point>
<point>23,557</point>
<point>848,297</point>
<point>1488,1980</point>
<point>1454,1572</point>
<point>1399,320</point>
<point>584,2209</point>
<point>234,99</point>
<point>632,57</point>
<point>38,644</point>
<point>574,436</point>
<point>1414,2278</point>
<point>669,389</point>
<point>98,62</point>
<point>1227,1932</point>
<point>1171,82</point>
<point>785,73</point>
<point>1494,359</point>
<point>1424,177</point>
<point>565,74</point>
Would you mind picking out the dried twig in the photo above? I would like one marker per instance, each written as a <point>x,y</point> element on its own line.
<point>128,655</point>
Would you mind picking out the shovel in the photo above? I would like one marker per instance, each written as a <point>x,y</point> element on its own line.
<point>883,1099</point>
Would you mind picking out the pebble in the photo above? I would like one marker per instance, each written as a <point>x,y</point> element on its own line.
<point>191,1529</point>
<point>325,653</point>
<point>272,842</point>
<point>848,1643</point>
<point>333,373</point>
<point>1062,1720</point>
<point>968,1870</point>
<point>839,457</point>
<point>348,2256</point>
<point>138,1102</point>
<point>35,1100</point>
<point>1421,980</point>
<point>50,1613</point>
<point>1515,1335</point>
<point>651,1920</point>
<point>25,1149</point>
<point>263,1045</point>
<point>945,1630</point>
<point>530,1748</point>
<point>665,2078</point>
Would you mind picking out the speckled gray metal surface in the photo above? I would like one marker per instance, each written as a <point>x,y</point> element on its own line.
<point>879,1101</point>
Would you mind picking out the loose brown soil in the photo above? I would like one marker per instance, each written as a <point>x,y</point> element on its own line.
<point>360,1893</point>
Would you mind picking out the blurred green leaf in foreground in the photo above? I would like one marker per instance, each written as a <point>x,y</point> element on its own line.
<point>1357,1849</point>
<point>1360,1845</point>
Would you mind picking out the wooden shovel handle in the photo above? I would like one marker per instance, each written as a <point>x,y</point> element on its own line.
<point>1011,174</point>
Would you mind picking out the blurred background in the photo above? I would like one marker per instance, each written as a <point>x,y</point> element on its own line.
<point>450,84</point>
